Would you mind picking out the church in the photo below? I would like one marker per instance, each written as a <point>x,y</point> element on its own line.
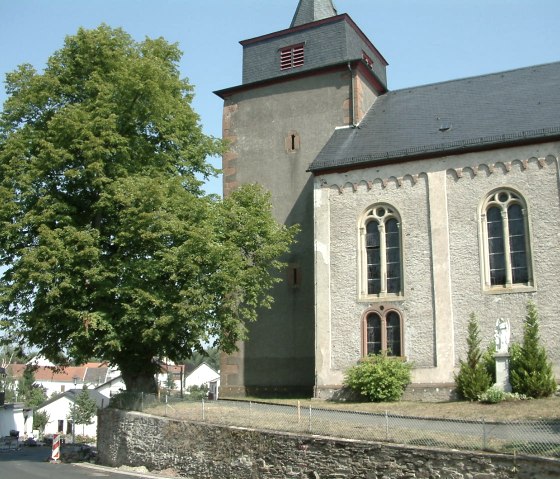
<point>417,207</point>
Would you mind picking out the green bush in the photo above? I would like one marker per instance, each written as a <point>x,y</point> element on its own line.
<point>489,360</point>
<point>530,370</point>
<point>473,378</point>
<point>492,395</point>
<point>379,378</point>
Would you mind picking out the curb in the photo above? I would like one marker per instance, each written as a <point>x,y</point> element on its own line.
<point>146,475</point>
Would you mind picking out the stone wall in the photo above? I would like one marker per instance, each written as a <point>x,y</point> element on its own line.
<point>204,451</point>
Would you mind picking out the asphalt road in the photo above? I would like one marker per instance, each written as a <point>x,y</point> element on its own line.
<point>32,463</point>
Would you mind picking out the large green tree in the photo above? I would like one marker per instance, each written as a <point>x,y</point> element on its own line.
<point>111,248</point>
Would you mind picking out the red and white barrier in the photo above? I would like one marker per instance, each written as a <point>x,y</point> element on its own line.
<point>55,457</point>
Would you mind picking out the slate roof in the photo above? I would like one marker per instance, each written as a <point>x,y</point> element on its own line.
<point>312,10</point>
<point>470,114</point>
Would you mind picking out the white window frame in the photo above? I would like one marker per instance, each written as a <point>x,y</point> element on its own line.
<point>510,196</point>
<point>382,311</point>
<point>373,213</point>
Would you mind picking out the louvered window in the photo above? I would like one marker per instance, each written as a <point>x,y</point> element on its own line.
<point>366,58</point>
<point>292,57</point>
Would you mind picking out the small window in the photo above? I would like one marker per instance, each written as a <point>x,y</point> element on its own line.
<point>292,57</point>
<point>367,59</point>
<point>294,275</point>
<point>381,270</point>
<point>383,333</point>
<point>292,142</point>
<point>506,242</point>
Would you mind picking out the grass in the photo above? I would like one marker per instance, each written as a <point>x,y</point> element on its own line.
<point>546,408</point>
<point>307,418</point>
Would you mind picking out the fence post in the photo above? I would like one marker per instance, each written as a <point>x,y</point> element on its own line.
<point>203,411</point>
<point>310,430</point>
<point>166,404</point>
<point>484,437</point>
<point>386,425</point>
<point>299,412</point>
<point>142,401</point>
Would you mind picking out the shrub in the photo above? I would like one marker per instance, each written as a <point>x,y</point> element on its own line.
<point>379,378</point>
<point>198,392</point>
<point>473,378</point>
<point>530,370</point>
<point>489,360</point>
<point>492,395</point>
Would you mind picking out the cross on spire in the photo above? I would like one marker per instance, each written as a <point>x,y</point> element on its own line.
<point>312,10</point>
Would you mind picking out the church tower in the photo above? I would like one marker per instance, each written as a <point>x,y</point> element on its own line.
<point>298,86</point>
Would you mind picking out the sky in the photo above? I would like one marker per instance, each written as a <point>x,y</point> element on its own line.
<point>424,41</point>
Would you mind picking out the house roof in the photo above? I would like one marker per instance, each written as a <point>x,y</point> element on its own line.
<point>94,373</point>
<point>312,10</point>
<point>72,394</point>
<point>490,111</point>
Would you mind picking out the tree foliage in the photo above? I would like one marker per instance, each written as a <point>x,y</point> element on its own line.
<point>83,410</point>
<point>473,378</point>
<point>210,356</point>
<point>530,370</point>
<point>29,393</point>
<point>111,247</point>
<point>40,420</point>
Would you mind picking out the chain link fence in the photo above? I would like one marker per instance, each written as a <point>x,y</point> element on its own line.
<point>541,438</point>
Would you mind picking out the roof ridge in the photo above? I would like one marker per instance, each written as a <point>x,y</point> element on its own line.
<point>473,77</point>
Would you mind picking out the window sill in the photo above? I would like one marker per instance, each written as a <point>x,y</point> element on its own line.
<point>517,288</point>
<point>378,298</point>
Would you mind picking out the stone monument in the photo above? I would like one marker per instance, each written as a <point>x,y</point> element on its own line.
<point>502,336</point>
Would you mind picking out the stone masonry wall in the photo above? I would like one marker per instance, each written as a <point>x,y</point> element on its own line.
<point>204,451</point>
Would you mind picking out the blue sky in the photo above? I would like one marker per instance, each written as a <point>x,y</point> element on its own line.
<point>424,41</point>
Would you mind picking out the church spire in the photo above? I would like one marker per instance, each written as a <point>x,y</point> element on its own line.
<point>312,10</point>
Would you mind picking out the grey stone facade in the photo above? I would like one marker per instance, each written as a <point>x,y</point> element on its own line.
<point>438,201</point>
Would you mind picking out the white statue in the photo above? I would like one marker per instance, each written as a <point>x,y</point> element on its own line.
<point>502,336</point>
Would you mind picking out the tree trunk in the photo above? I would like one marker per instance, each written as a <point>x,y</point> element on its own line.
<point>140,380</point>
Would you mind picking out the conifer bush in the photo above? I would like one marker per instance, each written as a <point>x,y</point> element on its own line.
<point>530,370</point>
<point>379,378</point>
<point>473,378</point>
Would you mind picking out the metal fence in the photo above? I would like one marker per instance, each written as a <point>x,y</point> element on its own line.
<point>541,438</point>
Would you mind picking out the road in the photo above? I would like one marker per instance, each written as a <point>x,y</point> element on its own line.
<point>32,463</point>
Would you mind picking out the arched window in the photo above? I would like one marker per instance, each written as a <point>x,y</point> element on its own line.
<point>507,258</point>
<point>382,332</point>
<point>381,259</point>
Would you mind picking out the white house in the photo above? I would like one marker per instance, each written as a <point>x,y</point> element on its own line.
<point>204,375</point>
<point>111,387</point>
<point>15,417</point>
<point>59,411</point>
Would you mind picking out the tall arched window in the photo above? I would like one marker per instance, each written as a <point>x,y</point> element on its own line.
<point>381,258</point>
<point>507,258</point>
<point>383,332</point>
